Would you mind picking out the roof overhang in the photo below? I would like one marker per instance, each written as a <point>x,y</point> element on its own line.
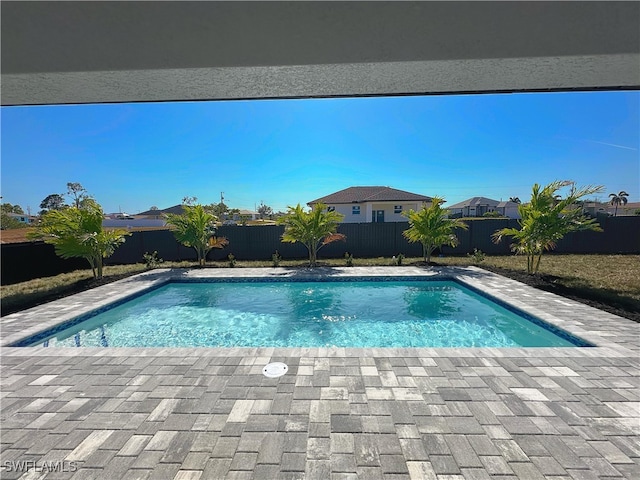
<point>94,52</point>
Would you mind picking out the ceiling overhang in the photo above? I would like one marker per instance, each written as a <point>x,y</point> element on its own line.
<point>96,52</point>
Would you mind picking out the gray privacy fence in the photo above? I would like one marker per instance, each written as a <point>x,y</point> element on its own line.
<point>24,261</point>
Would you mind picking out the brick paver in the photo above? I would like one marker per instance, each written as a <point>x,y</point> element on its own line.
<point>339,413</point>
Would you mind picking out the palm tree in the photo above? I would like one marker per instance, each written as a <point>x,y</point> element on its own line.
<point>196,228</point>
<point>546,219</point>
<point>314,229</point>
<point>431,227</point>
<point>618,199</point>
<point>77,232</point>
<point>515,199</point>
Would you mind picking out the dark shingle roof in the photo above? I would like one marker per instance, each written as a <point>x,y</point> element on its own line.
<point>370,194</point>
<point>474,202</point>
<point>507,204</point>
<point>176,209</point>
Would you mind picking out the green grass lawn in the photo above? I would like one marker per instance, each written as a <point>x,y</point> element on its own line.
<point>620,273</point>
<point>608,282</point>
<point>600,280</point>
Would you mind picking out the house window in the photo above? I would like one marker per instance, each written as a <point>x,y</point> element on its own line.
<point>355,210</point>
<point>397,209</point>
<point>331,209</point>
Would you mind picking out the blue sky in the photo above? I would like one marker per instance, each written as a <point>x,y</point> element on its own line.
<point>281,152</point>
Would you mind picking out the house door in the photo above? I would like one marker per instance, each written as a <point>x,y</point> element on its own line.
<point>377,216</point>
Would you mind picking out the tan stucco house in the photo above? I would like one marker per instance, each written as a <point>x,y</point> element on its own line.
<point>372,204</point>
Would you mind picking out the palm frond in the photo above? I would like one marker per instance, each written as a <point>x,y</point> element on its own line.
<point>334,237</point>
<point>78,232</point>
<point>195,228</point>
<point>314,229</point>
<point>431,227</point>
<point>546,219</point>
<point>218,242</point>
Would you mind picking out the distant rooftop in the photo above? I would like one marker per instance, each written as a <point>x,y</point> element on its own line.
<point>370,194</point>
<point>476,201</point>
<point>176,209</point>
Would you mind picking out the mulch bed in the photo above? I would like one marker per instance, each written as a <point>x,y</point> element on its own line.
<point>79,286</point>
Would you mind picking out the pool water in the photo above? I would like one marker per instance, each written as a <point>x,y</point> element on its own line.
<point>309,314</point>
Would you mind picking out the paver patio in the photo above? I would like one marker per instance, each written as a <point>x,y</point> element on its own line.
<point>445,413</point>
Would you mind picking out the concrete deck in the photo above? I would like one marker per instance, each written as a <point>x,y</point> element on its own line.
<point>445,413</point>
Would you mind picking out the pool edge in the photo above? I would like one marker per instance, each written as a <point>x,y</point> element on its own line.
<point>603,344</point>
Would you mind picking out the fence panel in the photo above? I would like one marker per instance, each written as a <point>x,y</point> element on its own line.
<point>479,236</point>
<point>24,261</point>
<point>29,260</point>
<point>139,243</point>
<point>620,235</point>
<point>256,243</point>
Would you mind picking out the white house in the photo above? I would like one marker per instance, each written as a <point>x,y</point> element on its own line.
<point>601,208</point>
<point>508,209</point>
<point>372,204</point>
<point>23,217</point>
<point>244,214</point>
<point>478,206</point>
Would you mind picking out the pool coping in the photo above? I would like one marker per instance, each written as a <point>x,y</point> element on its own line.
<point>612,335</point>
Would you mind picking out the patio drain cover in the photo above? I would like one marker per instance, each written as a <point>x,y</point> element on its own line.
<point>275,369</point>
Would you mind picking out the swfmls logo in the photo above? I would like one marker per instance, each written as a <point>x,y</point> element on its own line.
<point>30,465</point>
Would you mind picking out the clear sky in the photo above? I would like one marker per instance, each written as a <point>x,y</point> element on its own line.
<point>284,152</point>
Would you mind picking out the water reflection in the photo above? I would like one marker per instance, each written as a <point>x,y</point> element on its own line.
<point>312,311</point>
<point>306,314</point>
<point>431,302</point>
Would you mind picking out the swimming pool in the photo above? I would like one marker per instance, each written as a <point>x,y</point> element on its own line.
<point>352,313</point>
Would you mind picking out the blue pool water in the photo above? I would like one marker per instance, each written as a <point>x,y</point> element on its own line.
<point>309,314</point>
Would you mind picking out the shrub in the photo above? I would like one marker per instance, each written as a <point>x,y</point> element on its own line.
<point>547,218</point>
<point>348,259</point>
<point>196,228</point>
<point>431,227</point>
<point>397,260</point>
<point>232,260</point>
<point>477,256</point>
<point>77,232</point>
<point>276,259</point>
<point>493,214</point>
<point>151,260</point>
<point>314,229</point>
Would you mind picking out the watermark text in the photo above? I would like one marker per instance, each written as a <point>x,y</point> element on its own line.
<point>46,466</point>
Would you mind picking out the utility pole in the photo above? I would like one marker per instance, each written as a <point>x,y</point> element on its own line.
<point>221,197</point>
